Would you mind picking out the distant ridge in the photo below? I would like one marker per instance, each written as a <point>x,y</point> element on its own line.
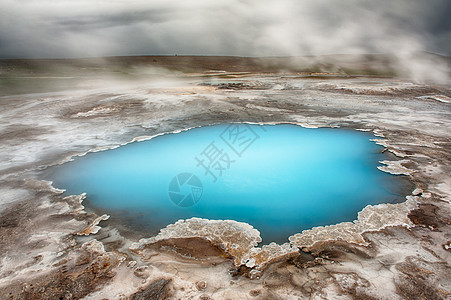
<point>344,64</point>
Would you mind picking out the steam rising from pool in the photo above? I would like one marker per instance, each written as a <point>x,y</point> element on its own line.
<point>281,179</point>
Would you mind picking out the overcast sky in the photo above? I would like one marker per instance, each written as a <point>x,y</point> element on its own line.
<point>86,28</point>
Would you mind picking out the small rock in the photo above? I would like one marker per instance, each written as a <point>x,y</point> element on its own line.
<point>131,264</point>
<point>320,260</point>
<point>94,247</point>
<point>142,272</point>
<point>250,263</point>
<point>204,297</point>
<point>201,285</point>
<point>417,192</point>
<point>26,287</point>
<point>255,293</point>
<point>255,274</point>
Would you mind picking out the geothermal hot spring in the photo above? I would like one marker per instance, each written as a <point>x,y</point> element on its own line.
<point>281,179</point>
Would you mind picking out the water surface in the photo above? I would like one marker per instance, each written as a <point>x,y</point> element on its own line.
<point>281,179</point>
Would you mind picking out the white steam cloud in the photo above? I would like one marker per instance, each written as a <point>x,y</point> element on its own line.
<point>85,28</point>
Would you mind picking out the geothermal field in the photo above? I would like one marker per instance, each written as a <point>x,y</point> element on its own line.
<point>190,177</point>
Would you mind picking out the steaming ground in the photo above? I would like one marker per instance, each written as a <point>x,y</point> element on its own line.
<point>52,247</point>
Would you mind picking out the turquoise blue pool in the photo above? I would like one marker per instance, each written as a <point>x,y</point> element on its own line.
<point>281,179</point>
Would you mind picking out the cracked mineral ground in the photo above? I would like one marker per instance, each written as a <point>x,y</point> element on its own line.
<point>54,246</point>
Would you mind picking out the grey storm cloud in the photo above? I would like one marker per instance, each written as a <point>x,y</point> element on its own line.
<point>83,28</point>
